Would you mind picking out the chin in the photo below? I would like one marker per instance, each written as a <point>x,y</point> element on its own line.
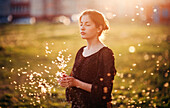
<point>83,37</point>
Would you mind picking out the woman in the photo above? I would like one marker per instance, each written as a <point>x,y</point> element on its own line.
<point>91,80</point>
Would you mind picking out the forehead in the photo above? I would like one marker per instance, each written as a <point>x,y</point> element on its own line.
<point>86,18</point>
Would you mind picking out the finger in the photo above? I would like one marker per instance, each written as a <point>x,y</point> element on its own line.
<point>64,85</point>
<point>69,78</point>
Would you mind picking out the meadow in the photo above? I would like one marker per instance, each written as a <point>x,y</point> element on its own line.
<point>142,79</point>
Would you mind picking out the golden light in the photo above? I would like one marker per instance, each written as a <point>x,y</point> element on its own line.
<point>146,57</point>
<point>133,19</point>
<point>154,10</point>
<point>148,24</point>
<point>137,13</point>
<point>142,9</point>
<point>131,49</point>
<point>166,84</point>
<point>134,64</point>
<point>3,67</point>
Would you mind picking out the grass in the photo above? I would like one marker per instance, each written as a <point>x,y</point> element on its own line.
<point>137,85</point>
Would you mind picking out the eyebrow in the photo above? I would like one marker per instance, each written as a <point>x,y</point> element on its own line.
<point>85,22</point>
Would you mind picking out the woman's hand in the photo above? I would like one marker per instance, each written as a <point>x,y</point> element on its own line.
<point>72,81</point>
<point>63,82</point>
<point>67,81</point>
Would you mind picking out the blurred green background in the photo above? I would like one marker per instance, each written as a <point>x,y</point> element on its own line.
<point>142,79</point>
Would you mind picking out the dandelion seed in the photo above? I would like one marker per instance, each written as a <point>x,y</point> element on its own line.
<point>144,71</point>
<point>146,57</point>
<point>14,82</point>
<point>154,10</point>
<point>122,87</point>
<point>12,70</point>
<point>133,80</point>
<point>142,9</point>
<point>148,24</point>
<point>143,91</point>
<point>131,49</point>
<point>123,80</point>
<point>129,75</point>
<point>137,13</point>
<point>19,74</point>
<point>134,64</point>
<point>130,86</point>
<point>153,56</point>
<point>24,72</point>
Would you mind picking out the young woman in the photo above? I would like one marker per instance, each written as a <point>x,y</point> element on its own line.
<point>91,80</point>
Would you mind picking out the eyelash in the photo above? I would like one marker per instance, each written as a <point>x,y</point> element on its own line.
<point>86,24</point>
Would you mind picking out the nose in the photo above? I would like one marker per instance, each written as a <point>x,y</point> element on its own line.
<point>82,27</point>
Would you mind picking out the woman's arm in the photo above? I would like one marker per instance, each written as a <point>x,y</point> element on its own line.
<point>79,84</point>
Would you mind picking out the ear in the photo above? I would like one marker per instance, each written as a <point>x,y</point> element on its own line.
<point>99,29</point>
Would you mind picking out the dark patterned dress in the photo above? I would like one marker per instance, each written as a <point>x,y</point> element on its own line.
<point>97,69</point>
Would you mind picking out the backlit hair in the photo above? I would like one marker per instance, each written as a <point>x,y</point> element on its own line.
<point>98,18</point>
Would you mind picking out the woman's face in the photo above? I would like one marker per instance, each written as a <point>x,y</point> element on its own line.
<point>88,28</point>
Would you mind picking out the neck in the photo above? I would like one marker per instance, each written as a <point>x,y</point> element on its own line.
<point>93,43</point>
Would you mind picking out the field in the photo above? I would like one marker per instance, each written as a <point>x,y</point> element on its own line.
<point>142,78</point>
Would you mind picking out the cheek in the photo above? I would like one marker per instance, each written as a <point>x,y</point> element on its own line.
<point>92,30</point>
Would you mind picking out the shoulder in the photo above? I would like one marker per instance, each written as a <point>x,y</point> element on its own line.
<point>106,54</point>
<point>106,51</point>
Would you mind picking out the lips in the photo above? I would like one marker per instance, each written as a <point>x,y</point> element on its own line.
<point>83,33</point>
